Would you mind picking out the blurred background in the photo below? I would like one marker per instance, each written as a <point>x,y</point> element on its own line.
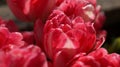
<point>111,9</point>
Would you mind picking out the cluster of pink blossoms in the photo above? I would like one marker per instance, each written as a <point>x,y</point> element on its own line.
<point>67,33</point>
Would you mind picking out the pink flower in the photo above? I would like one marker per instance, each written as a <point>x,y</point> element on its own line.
<point>30,56</point>
<point>10,40</point>
<point>84,8</point>
<point>70,36</point>
<point>87,9</point>
<point>97,58</point>
<point>30,10</point>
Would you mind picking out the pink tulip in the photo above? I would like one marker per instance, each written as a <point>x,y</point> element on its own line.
<point>30,56</point>
<point>70,36</point>
<point>97,58</point>
<point>87,9</point>
<point>84,8</point>
<point>10,40</point>
<point>30,10</point>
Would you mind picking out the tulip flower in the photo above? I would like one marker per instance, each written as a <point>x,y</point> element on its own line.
<point>30,10</point>
<point>10,40</point>
<point>87,9</point>
<point>30,56</point>
<point>71,36</point>
<point>98,58</point>
<point>84,8</point>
